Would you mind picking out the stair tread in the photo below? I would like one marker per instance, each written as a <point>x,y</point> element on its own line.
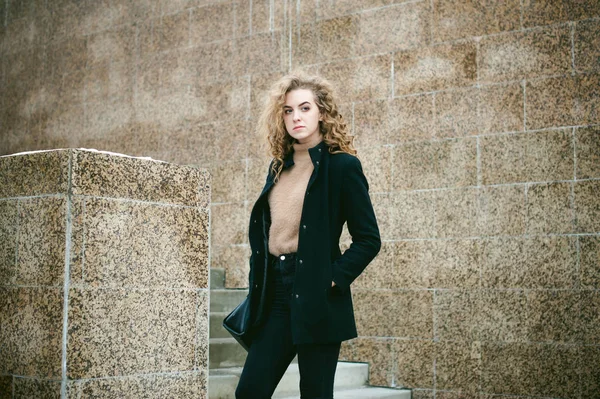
<point>367,392</point>
<point>292,368</point>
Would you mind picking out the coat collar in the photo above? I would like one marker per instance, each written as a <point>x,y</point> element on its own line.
<point>316,153</point>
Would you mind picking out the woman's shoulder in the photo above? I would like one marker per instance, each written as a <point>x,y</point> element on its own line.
<point>344,159</point>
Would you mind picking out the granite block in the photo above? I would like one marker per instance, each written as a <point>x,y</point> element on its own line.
<point>229,181</point>
<point>549,208</point>
<point>23,32</point>
<point>338,37</point>
<point>6,382</point>
<point>257,175</point>
<point>332,8</point>
<point>456,315</point>
<point>181,385</point>
<point>534,156</point>
<point>394,28</point>
<point>116,45</point>
<point>414,264</point>
<point>410,118</point>
<point>360,79</point>
<point>106,175</point>
<point>8,241</point>
<point>457,162</point>
<point>414,213</point>
<point>435,68</point>
<point>68,56</point>
<point>553,316</point>
<point>501,108</point>
<point>387,313</point>
<point>31,333</point>
<point>416,166</point>
<point>386,214</point>
<point>381,272</point>
<point>36,388</point>
<point>456,263</point>
<point>423,393</point>
<point>173,6</point>
<point>589,322</point>
<point>502,210</point>
<point>524,55</point>
<point>529,263</point>
<point>116,332</point>
<point>212,22</point>
<point>587,45</point>
<point>371,123</point>
<point>456,112</point>
<point>222,101</point>
<point>229,224</point>
<point>589,262</point>
<point>41,241</point>
<point>109,116</point>
<point>34,174</point>
<point>414,361</point>
<point>110,80</point>
<point>260,53</point>
<point>587,147</point>
<point>458,365</point>
<point>502,315</point>
<point>454,19</point>
<point>305,45</point>
<point>590,375</point>
<point>202,334</point>
<point>378,352</point>
<point>535,369</point>
<point>235,259</point>
<point>546,12</point>
<point>377,165</point>
<point>456,212</point>
<point>132,244</point>
<point>562,101</point>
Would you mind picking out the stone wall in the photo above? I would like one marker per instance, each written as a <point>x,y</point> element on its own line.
<point>103,277</point>
<point>477,123</point>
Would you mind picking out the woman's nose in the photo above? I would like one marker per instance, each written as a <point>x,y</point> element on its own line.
<point>296,116</point>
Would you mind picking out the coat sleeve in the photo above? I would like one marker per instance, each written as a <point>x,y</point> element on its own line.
<point>362,226</point>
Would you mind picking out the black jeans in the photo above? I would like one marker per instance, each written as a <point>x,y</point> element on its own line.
<point>272,349</point>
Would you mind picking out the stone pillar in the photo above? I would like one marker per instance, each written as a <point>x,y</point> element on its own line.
<point>103,276</point>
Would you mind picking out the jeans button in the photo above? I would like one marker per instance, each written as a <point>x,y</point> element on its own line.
<point>282,257</point>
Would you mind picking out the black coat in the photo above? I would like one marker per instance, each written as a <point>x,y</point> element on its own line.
<point>337,192</point>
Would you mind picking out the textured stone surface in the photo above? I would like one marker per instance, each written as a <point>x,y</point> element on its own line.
<point>413,363</point>
<point>457,365</point>
<point>502,210</point>
<point>586,206</point>
<point>542,369</point>
<point>562,101</point>
<point>535,156</point>
<point>21,174</point>
<point>105,175</point>
<point>589,263</point>
<point>235,259</point>
<point>410,118</point>
<point>8,241</point>
<point>435,68</point>
<point>456,315</point>
<point>229,224</point>
<point>587,45</point>
<point>31,331</point>
<point>35,388</point>
<point>456,212</point>
<point>549,208</point>
<point>546,12</point>
<point>378,352</point>
<point>455,19</point>
<point>411,215</point>
<point>587,146</point>
<point>522,55</point>
<point>130,244</point>
<point>180,385</point>
<point>115,332</point>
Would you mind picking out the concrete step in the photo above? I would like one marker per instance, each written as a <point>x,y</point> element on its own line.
<point>216,325</point>
<point>225,352</point>
<point>367,393</point>
<point>350,378</point>
<point>225,300</point>
<point>217,278</point>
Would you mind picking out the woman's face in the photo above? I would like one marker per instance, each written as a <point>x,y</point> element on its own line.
<point>301,115</point>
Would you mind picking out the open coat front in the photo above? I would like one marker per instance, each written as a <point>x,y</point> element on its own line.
<point>337,192</point>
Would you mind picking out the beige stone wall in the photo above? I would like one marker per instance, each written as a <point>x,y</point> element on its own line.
<point>477,122</point>
<point>103,277</point>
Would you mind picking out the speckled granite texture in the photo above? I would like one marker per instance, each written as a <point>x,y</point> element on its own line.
<point>130,237</point>
<point>477,124</point>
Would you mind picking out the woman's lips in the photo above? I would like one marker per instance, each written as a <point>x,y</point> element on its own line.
<point>298,127</point>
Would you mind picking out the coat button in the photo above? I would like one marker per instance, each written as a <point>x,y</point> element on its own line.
<point>257,251</point>
<point>297,296</point>
<point>254,220</point>
<point>317,162</point>
<point>319,150</point>
<point>255,285</point>
<point>304,226</point>
<point>300,261</point>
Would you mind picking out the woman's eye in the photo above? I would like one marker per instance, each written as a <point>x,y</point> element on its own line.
<point>306,108</point>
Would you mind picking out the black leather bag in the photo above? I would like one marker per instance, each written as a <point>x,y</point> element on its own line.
<point>248,316</point>
<point>238,323</point>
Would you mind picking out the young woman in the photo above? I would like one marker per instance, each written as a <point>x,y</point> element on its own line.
<point>314,185</point>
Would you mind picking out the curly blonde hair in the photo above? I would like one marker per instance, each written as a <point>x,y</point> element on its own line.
<point>272,127</point>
